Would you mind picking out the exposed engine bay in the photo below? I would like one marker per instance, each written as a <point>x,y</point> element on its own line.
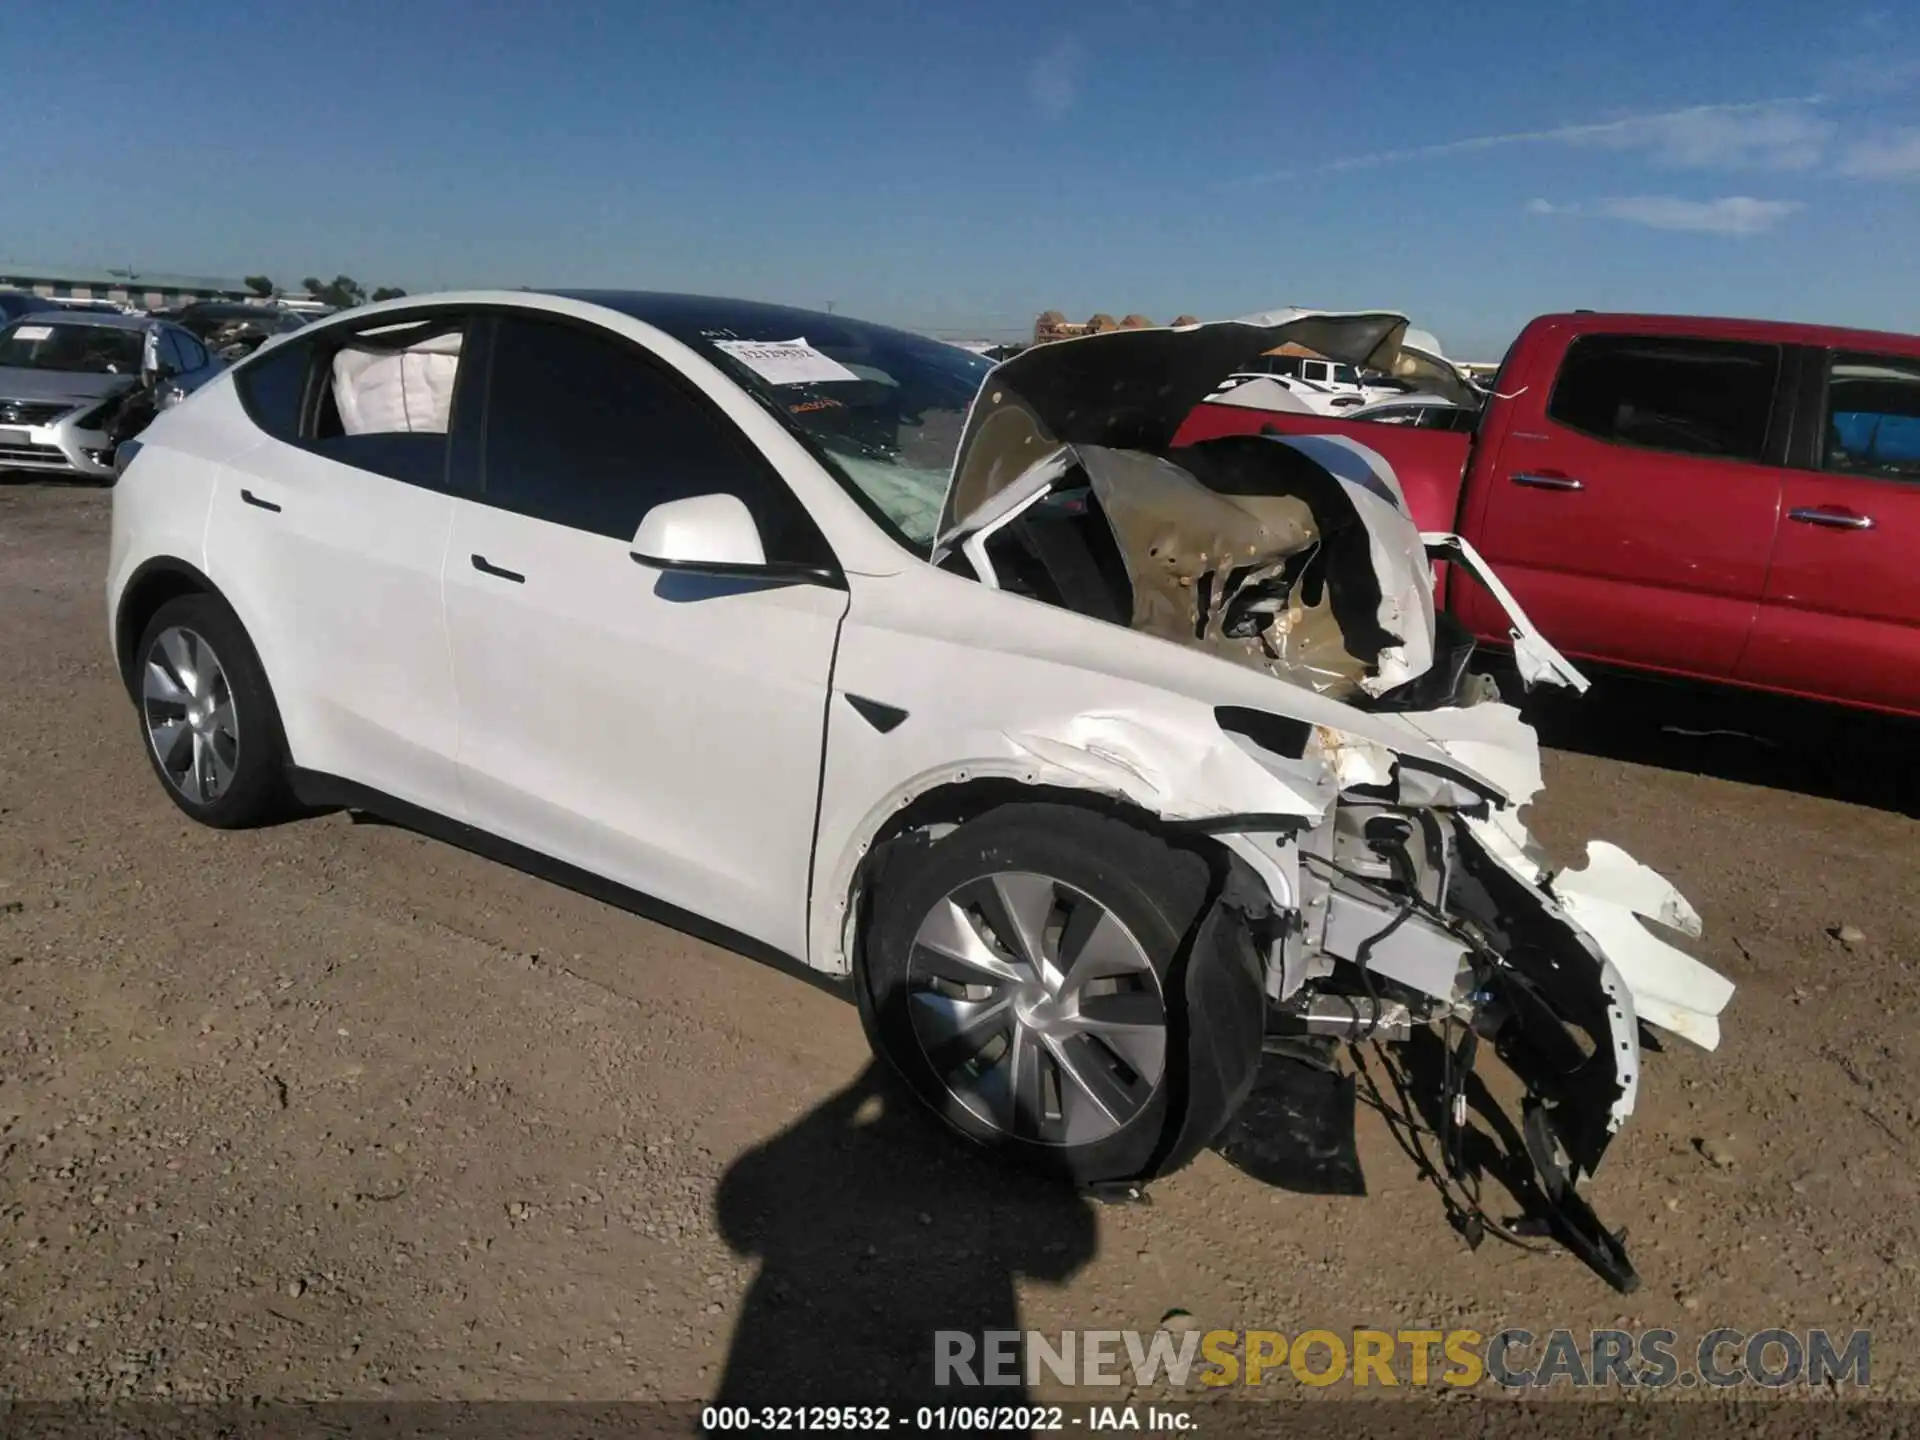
<point>1400,899</point>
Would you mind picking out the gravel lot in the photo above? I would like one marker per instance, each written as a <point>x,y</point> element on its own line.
<point>333,1109</point>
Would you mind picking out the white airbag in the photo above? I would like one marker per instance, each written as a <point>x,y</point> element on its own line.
<point>383,392</point>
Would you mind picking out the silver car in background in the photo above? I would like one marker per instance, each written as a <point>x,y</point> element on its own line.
<point>73,384</point>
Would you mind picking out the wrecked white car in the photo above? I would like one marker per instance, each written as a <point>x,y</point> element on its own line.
<point>1102,769</point>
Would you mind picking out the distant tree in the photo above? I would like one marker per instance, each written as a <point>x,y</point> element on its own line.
<point>387,292</point>
<point>342,292</point>
<point>260,285</point>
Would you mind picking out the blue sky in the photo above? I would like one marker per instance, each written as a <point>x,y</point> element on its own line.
<point>958,167</point>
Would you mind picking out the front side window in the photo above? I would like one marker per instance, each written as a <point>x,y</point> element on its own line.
<point>1873,416</point>
<point>1690,397</point>
<point>40,344</point>
<point>586,432</point>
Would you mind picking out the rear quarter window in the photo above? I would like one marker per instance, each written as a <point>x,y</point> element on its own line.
<point>272,385</point>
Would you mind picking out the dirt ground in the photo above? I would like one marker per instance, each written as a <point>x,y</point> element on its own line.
<point>334,1110</point>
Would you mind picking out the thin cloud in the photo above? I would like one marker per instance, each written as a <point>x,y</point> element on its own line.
<point>1729,215</point>
<point>1893,156</point>
<point>1874,74</point>
<point>1053,80</point>
<point>1775,134</point>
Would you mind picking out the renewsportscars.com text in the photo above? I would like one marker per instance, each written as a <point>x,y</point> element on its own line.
<point>1512,1359</point>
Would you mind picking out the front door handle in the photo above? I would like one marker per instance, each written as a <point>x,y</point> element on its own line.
<point>1832,519</point>
<point>252,499</point>
<point>480,564</point>
<point>1548,482</point>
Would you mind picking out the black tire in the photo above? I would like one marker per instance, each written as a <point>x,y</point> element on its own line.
<point>1208,978</point>
<point>256,791</point>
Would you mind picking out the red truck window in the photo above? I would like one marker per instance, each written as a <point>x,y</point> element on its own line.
<point>1873,417</point>
<point>1693,397</point>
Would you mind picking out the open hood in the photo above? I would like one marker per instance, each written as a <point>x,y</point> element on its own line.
<point>1132,389</point>
<point>1294,555</point>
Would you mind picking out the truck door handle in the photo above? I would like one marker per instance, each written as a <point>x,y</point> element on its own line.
<point>480,564</point>
<point>1548,482</point>
<point>1832,519</point>
<point>252,499</point>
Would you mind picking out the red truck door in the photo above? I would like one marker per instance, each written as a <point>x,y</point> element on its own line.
<point>1629,505</point>
<point>1841,613</point>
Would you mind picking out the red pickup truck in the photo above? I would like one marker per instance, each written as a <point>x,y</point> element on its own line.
<point>1728,500</point>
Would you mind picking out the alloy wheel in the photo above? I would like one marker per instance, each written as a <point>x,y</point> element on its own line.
<point>1037,1008</point>
<point>191,724</point>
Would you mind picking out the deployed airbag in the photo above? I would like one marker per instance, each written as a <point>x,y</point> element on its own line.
<point>380,392</point>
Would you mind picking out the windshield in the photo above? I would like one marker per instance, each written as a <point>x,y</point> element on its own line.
<point>883,407</point>
<point>76,349</point>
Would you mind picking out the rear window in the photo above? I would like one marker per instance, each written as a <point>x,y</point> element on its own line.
<point>1690,397</point>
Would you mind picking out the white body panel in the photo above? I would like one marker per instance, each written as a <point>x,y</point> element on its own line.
<point>660,730</point>
<point>340,590</point>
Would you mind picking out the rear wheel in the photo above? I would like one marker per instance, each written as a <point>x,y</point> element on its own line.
<point>1055,986</point>
<point>208,718</point>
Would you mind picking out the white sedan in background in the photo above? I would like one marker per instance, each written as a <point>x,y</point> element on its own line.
<point>1094,765</point>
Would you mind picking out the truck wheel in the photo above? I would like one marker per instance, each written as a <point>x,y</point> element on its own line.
<point>1054,985</point>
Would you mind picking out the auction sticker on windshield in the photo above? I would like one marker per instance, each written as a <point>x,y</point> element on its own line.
<point>785,362</point>
<point>33,332</point>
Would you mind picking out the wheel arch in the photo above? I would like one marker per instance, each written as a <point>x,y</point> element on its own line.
<point>958,793</point>
<point>152,584</point>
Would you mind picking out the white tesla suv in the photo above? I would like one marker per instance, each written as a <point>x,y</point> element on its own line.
<point>1096,766</point>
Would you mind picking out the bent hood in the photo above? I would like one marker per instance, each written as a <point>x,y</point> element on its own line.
<point>1132,389</point>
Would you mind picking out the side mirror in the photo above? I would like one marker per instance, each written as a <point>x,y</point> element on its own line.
<point>715,535</point>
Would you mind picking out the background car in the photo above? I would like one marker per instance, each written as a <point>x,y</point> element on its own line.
<point>1687,497</point>
<point>97,307</point>
<point>1269,390</point>
<point>233,330</point>
<point>15,303</point>
<point>1423,412</point>
<point>74,383</point>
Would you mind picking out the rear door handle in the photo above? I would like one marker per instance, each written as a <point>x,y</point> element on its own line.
<point>1548,482</point>
<point>1832,519</point>
<point>253,499</point>
<point>480,564</point>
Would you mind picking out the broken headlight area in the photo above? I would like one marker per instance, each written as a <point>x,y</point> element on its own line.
<point>1411,930</point>
<point>1404,901</point>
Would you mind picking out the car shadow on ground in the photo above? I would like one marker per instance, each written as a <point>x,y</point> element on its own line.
<point>1743,736</point>
<point>873,1232</point>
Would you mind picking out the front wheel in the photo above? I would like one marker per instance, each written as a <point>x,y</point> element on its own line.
<point>207,715</point>
<point>1055,986</point>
